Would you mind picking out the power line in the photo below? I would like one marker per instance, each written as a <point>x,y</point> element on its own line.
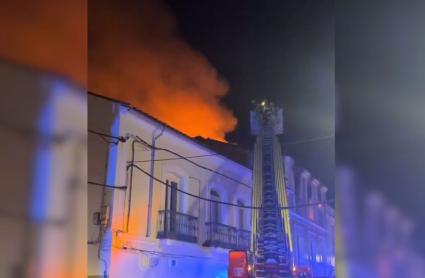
<point>163,254</point>
<point>107,185</point>
<point>141,141</point>
<point>190,161</point>
<point>311,140</point>
<point>108,141</point>
<point>187,158</point>
<point>217,201</point>
<point>105,135</point>
<point>177,158</point>
<point>131,186</point>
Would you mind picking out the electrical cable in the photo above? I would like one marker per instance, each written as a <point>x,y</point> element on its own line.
<point>187,158</point>
<point>140,140</point>
<point>192,162</point>
<point>221,202</point>
<point>163,254</point>
<point>213,171</point>
<point>311,140</point>
<point>107,185</point>
<point>131,187</point>
<point>177,158</point>
<point>107,141</point>
<point>103,135</point>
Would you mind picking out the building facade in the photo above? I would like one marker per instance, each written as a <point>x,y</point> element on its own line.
<point>149,192</point>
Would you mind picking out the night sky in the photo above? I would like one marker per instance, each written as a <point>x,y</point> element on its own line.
<point>279,50</point>
<point>380,77</point>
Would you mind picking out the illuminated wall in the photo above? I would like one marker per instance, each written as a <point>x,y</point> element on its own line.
<point>134,247</point>
<point>131,247</point>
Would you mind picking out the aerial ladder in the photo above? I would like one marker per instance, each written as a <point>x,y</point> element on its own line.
<point>271,247</point>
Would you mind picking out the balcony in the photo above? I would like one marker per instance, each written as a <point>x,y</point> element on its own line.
<point>177,225</point>
<point>244,239</point>
<point>225,236</point>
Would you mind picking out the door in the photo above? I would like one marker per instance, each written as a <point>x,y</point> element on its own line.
<point>171,206</point>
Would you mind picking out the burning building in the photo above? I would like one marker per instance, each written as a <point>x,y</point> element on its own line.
<point>166,204</point>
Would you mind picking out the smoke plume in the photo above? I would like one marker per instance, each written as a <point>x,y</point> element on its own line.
<point>48,35</point>
<point>136,55</point>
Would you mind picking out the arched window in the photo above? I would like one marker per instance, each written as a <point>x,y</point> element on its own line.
<point>171,206</point>
<point>215,209</point>
<point>171,196</point>
<point>241,215</point>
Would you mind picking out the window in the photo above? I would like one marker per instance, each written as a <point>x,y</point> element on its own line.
<point>171,204</point>
<point>215,210</point>
<point>171,198</point>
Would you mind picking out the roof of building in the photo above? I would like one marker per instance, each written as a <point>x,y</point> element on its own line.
<point>230,151</point>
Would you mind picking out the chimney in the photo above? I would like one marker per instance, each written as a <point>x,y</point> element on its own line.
<point>323,191</point>
<point>315,184</point>
<point>302,191</point>
<point>322,207</point>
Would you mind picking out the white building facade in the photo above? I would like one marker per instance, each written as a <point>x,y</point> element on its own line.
<point>152,224</point>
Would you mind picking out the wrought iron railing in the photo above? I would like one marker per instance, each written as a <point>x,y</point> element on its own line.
<point>244,239</point>
<point>221,235</point>
<point>177,225</point>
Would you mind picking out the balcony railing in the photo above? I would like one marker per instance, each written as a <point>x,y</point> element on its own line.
<point>244,239</point>
<point>225,236</point>
<point>177,225</point>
